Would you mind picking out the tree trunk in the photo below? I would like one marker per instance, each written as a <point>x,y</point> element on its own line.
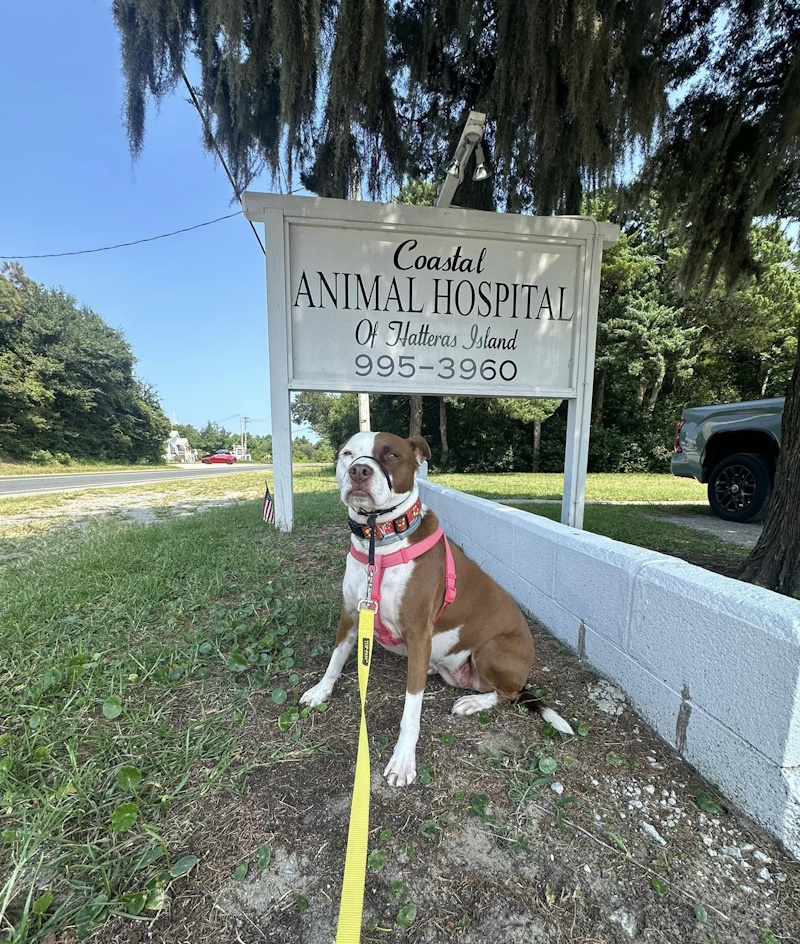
<point>443,428</point>
<point>640,391</point>
<point>765,384</point>
<point>537,442</point>
<point>415,427</point>
<point>651,404</point>
<point>597,400</point>
<point>775,560</point>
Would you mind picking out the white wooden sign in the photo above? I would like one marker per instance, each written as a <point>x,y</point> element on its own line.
<point>421,300</point>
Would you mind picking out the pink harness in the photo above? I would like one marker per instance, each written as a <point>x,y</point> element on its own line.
<point>382,633</point>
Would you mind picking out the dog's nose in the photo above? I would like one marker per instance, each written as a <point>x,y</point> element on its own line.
<point>359,472</point>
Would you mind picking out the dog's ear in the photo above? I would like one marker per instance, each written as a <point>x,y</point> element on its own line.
<point>422,451</point>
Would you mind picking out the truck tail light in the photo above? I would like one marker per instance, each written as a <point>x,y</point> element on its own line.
<point>677,431</point>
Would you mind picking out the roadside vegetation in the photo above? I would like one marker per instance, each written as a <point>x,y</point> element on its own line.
<point>74,465</point>
<point>537,493</point>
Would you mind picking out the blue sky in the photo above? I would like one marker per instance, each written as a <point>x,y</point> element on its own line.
<point>193,306</point>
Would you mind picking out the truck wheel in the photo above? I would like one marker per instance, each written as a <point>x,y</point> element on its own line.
<point>740,487</point>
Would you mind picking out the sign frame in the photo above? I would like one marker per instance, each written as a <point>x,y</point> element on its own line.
<point>278,213</point>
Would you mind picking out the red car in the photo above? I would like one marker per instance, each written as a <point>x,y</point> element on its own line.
<point>221,455</point>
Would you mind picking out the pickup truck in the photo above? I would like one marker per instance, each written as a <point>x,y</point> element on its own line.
<point>734,448</point>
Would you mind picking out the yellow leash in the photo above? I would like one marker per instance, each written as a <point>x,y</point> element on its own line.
<point>352,903</point>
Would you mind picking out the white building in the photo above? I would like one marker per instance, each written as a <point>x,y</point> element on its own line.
<point>178,448</point>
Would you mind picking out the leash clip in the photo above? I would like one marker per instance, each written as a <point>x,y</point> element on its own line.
<point>368,603</point>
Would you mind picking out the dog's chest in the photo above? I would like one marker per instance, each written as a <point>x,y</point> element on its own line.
<point>393,588</point>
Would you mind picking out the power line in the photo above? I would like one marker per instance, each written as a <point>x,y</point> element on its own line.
<point>213,140</point>
<point>135,242</point>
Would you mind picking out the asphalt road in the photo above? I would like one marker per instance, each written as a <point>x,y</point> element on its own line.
<point>75,481</point>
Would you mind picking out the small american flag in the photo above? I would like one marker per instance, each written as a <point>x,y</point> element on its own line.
<point>268,509</point>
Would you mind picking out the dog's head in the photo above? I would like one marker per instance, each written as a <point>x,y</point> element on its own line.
<point>377,470</point>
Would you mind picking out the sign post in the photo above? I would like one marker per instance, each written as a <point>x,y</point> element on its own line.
<point>383,298</point>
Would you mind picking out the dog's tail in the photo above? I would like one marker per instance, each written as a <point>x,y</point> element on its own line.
<point>534,703</point>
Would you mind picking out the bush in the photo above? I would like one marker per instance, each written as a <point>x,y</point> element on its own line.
<point>41,457</point>
<point>323,452</point>
<point>64,458</point>
<point>643,449</point>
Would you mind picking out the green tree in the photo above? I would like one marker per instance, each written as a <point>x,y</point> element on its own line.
<point>750,333</point>
<point>530,413</point>
<point>641,333</point>
<point>260,447</point>
<point>334,417</point>
<point>416,192</point>
<point>146,425</point>
<point>488,434</point>
<point>67,380</point>
<point>730,154</point>
<point>323,452</point>
<point>213,436</point>
<point>188,432</point>
<point>356,90</point>
<point>661,347</point>
<point>302,449</point>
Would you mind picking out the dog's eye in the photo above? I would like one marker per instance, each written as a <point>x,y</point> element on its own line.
<point>393,455</point>
<point>346,453</point>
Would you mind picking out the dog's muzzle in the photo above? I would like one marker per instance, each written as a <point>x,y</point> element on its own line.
<point>361,472</point>
<point>364,472</point>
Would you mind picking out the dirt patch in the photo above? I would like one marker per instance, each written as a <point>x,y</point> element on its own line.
<point>148,508</point>
<point>612,846</point>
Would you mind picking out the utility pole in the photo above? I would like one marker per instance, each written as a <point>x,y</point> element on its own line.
<point>244,434</point>
<point>363,412</point>
<point>363,398</point>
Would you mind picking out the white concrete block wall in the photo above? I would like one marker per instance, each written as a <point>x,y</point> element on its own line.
<point>679,640</point>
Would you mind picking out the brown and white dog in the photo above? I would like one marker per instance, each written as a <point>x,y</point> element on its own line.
<point>480,641</point>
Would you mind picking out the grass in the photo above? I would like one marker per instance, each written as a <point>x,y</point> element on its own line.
<point>8,467</point>
<point>161,493</point>
<point>121,703</point>
<point>600,486</point>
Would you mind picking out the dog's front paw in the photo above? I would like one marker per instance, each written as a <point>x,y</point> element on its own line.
<point>317,695</point>
<point>402,768</point>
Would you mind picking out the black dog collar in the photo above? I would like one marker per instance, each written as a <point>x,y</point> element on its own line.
<point>401,526</point>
